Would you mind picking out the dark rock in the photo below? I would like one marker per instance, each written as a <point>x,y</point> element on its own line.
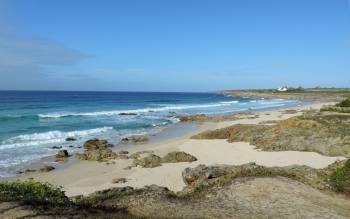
<point>71,139</point>
<point>178,156</point>
<point>148,162</point>
<point>56,147</point>
<point>127,114</point>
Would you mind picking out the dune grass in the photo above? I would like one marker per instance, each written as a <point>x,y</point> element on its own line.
<point>33,192</point>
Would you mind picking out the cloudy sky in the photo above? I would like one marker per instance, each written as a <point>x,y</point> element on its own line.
<point>165,45</point>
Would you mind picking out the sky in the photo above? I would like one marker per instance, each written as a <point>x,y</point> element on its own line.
<point>173,45</point>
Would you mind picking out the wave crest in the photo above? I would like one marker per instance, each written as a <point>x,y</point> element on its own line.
<point>48,137</point>
<point>136,111</point>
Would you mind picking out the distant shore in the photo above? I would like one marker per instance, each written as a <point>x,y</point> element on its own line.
<point>308,94</point>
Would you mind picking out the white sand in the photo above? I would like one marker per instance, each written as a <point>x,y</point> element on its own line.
<point>85,177</point>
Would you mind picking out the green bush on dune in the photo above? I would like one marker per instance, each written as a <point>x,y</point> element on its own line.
<point>344,103</point>
<point>33,192</point>
<point>340,178</point>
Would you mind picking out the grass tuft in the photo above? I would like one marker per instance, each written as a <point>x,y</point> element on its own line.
<point>340,178</point>
<point>344,103</point>
<point>33,192</point>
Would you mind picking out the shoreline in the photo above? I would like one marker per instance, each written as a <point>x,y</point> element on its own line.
<point>170,132</point>
<point>85,177</point>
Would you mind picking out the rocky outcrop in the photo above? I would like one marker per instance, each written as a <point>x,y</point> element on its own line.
<point>96,144</point>
<point>148,162</point>
<point>97,150</point>
<point>62,155</point>
<point>202,172</point>
<point>326,133</point>
<point>97,155</point>
<point>151,160</point>
<point>135,139</point>
<point>178,156</point>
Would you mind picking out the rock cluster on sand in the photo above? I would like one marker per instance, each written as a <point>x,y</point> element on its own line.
<point>96,150</point>
<point>99,150</point>
<point>135,139</point>
<point>152,160</point>
<point>41,169</point>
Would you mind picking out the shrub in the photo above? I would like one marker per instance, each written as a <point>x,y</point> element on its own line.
<point>33,192</point>
<point>340,178</point>
<point>344,103</point>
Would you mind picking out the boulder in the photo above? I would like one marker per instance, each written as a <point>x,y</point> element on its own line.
<point>96,144</point>
<point>148,162</point>
<point>135,139</point>
<point>98,150</point>
<point>178,156</point>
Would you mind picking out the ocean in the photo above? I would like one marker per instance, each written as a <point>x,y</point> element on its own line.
<point>32,122</point>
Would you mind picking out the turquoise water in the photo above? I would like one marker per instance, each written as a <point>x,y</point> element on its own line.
<point>32,122</point>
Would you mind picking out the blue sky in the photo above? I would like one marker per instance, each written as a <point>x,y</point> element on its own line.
<point>173,45</point>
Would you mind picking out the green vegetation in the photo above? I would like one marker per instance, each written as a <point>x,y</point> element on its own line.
<point>295,89</point>
<point>33,192</point>
<point>340,178</point>
<point>344,103</point>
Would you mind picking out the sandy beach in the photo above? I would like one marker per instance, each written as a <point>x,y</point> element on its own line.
<point>85,177</point>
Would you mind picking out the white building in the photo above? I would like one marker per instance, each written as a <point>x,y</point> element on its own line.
<point>282,89</point>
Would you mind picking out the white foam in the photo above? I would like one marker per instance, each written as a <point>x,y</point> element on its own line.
<point>47,137</point>
<point>137,111</point>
